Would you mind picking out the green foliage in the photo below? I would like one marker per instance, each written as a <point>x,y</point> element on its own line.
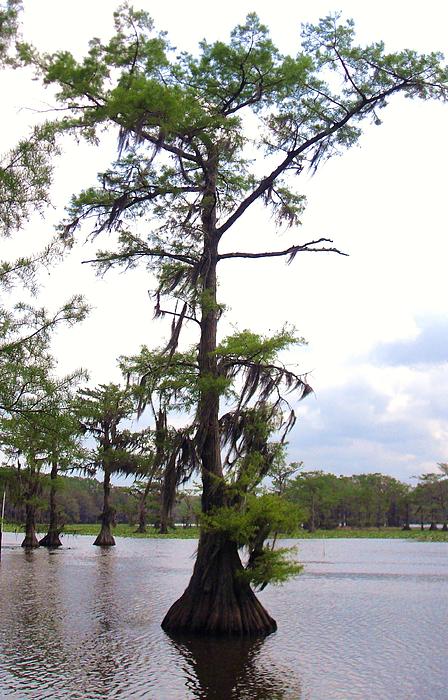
<point>172,378</point>
<point>272,566</point>
<point>242,520</point>
<point>248,345</point>
<point>249,523</point>
<point>188,106</point>
<point>9,12</point>
<point>25,178</point>
<point>272,511</point>
<point>209,384</point>
<point>25,362</point>
<point>231,522</point>
<point>102,413</point>
<point>26,170</point>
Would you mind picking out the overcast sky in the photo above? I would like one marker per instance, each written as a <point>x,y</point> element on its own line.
<point>376,322</point>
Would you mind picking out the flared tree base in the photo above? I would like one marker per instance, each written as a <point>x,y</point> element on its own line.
<point>30,541</point>
<point>218,600</point>
<point>105,538</point>
<point>51,539</point>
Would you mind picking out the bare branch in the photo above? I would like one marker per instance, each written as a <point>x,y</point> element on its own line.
<point>163,312</point>
<point>291,251</point>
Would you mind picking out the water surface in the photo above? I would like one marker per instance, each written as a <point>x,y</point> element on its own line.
<point>367,620</point>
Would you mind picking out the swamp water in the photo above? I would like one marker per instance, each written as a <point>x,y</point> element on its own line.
<point>366,620</point>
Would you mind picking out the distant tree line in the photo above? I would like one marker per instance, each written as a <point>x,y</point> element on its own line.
<point>370,500</point>
<point>324,501</point>
<point>80,501</point>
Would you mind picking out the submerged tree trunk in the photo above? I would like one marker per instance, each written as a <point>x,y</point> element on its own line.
<point>105,538</point>
<point>52,539</point>
<point>30,527</point>
<point>217,601</point>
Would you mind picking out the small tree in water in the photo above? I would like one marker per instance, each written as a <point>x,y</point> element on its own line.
<point>65,452</point>
<point>188,167</point>
<point>102,414</point>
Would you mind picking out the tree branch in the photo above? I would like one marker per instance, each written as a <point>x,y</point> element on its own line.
<point>268,181</point>
<point>121,257</point>
<point>347,74</point>
<point>291,251</point>
<point>167,147</point>
<point>162,312</point>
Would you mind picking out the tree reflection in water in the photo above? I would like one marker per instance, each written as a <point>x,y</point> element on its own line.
<point>231,669</point>
<point>32,643</point>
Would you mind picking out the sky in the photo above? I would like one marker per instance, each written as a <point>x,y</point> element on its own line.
<point>376,321</point>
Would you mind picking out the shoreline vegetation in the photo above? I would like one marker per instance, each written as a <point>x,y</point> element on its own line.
<point>190,533</point>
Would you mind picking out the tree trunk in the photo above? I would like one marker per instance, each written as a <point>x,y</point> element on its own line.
<point>30,527</point>
<point>407,524</point>
<point>144,497</point>
<point>141,529</point>
<point>51,539</point>
<point>170,477</point>
<point>163,527</point>
<point>165,517</point>
<point>105,538</point>
<point>142,508</point>
<point>217,600</point>
<point>313,515</point>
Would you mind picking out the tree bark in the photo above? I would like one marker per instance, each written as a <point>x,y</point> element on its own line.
<point>105,537</point>
<point>217,601</point>
<point>52,539</point>
<point>407,524</point>
<point>141,529</point>
<point>142,508</point>
<point>163,527</point>
<point>166,519</point>
<point>169,482</point>
<point>30,527</point>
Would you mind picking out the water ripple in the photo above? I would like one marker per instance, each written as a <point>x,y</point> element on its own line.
<point>360,624</point>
